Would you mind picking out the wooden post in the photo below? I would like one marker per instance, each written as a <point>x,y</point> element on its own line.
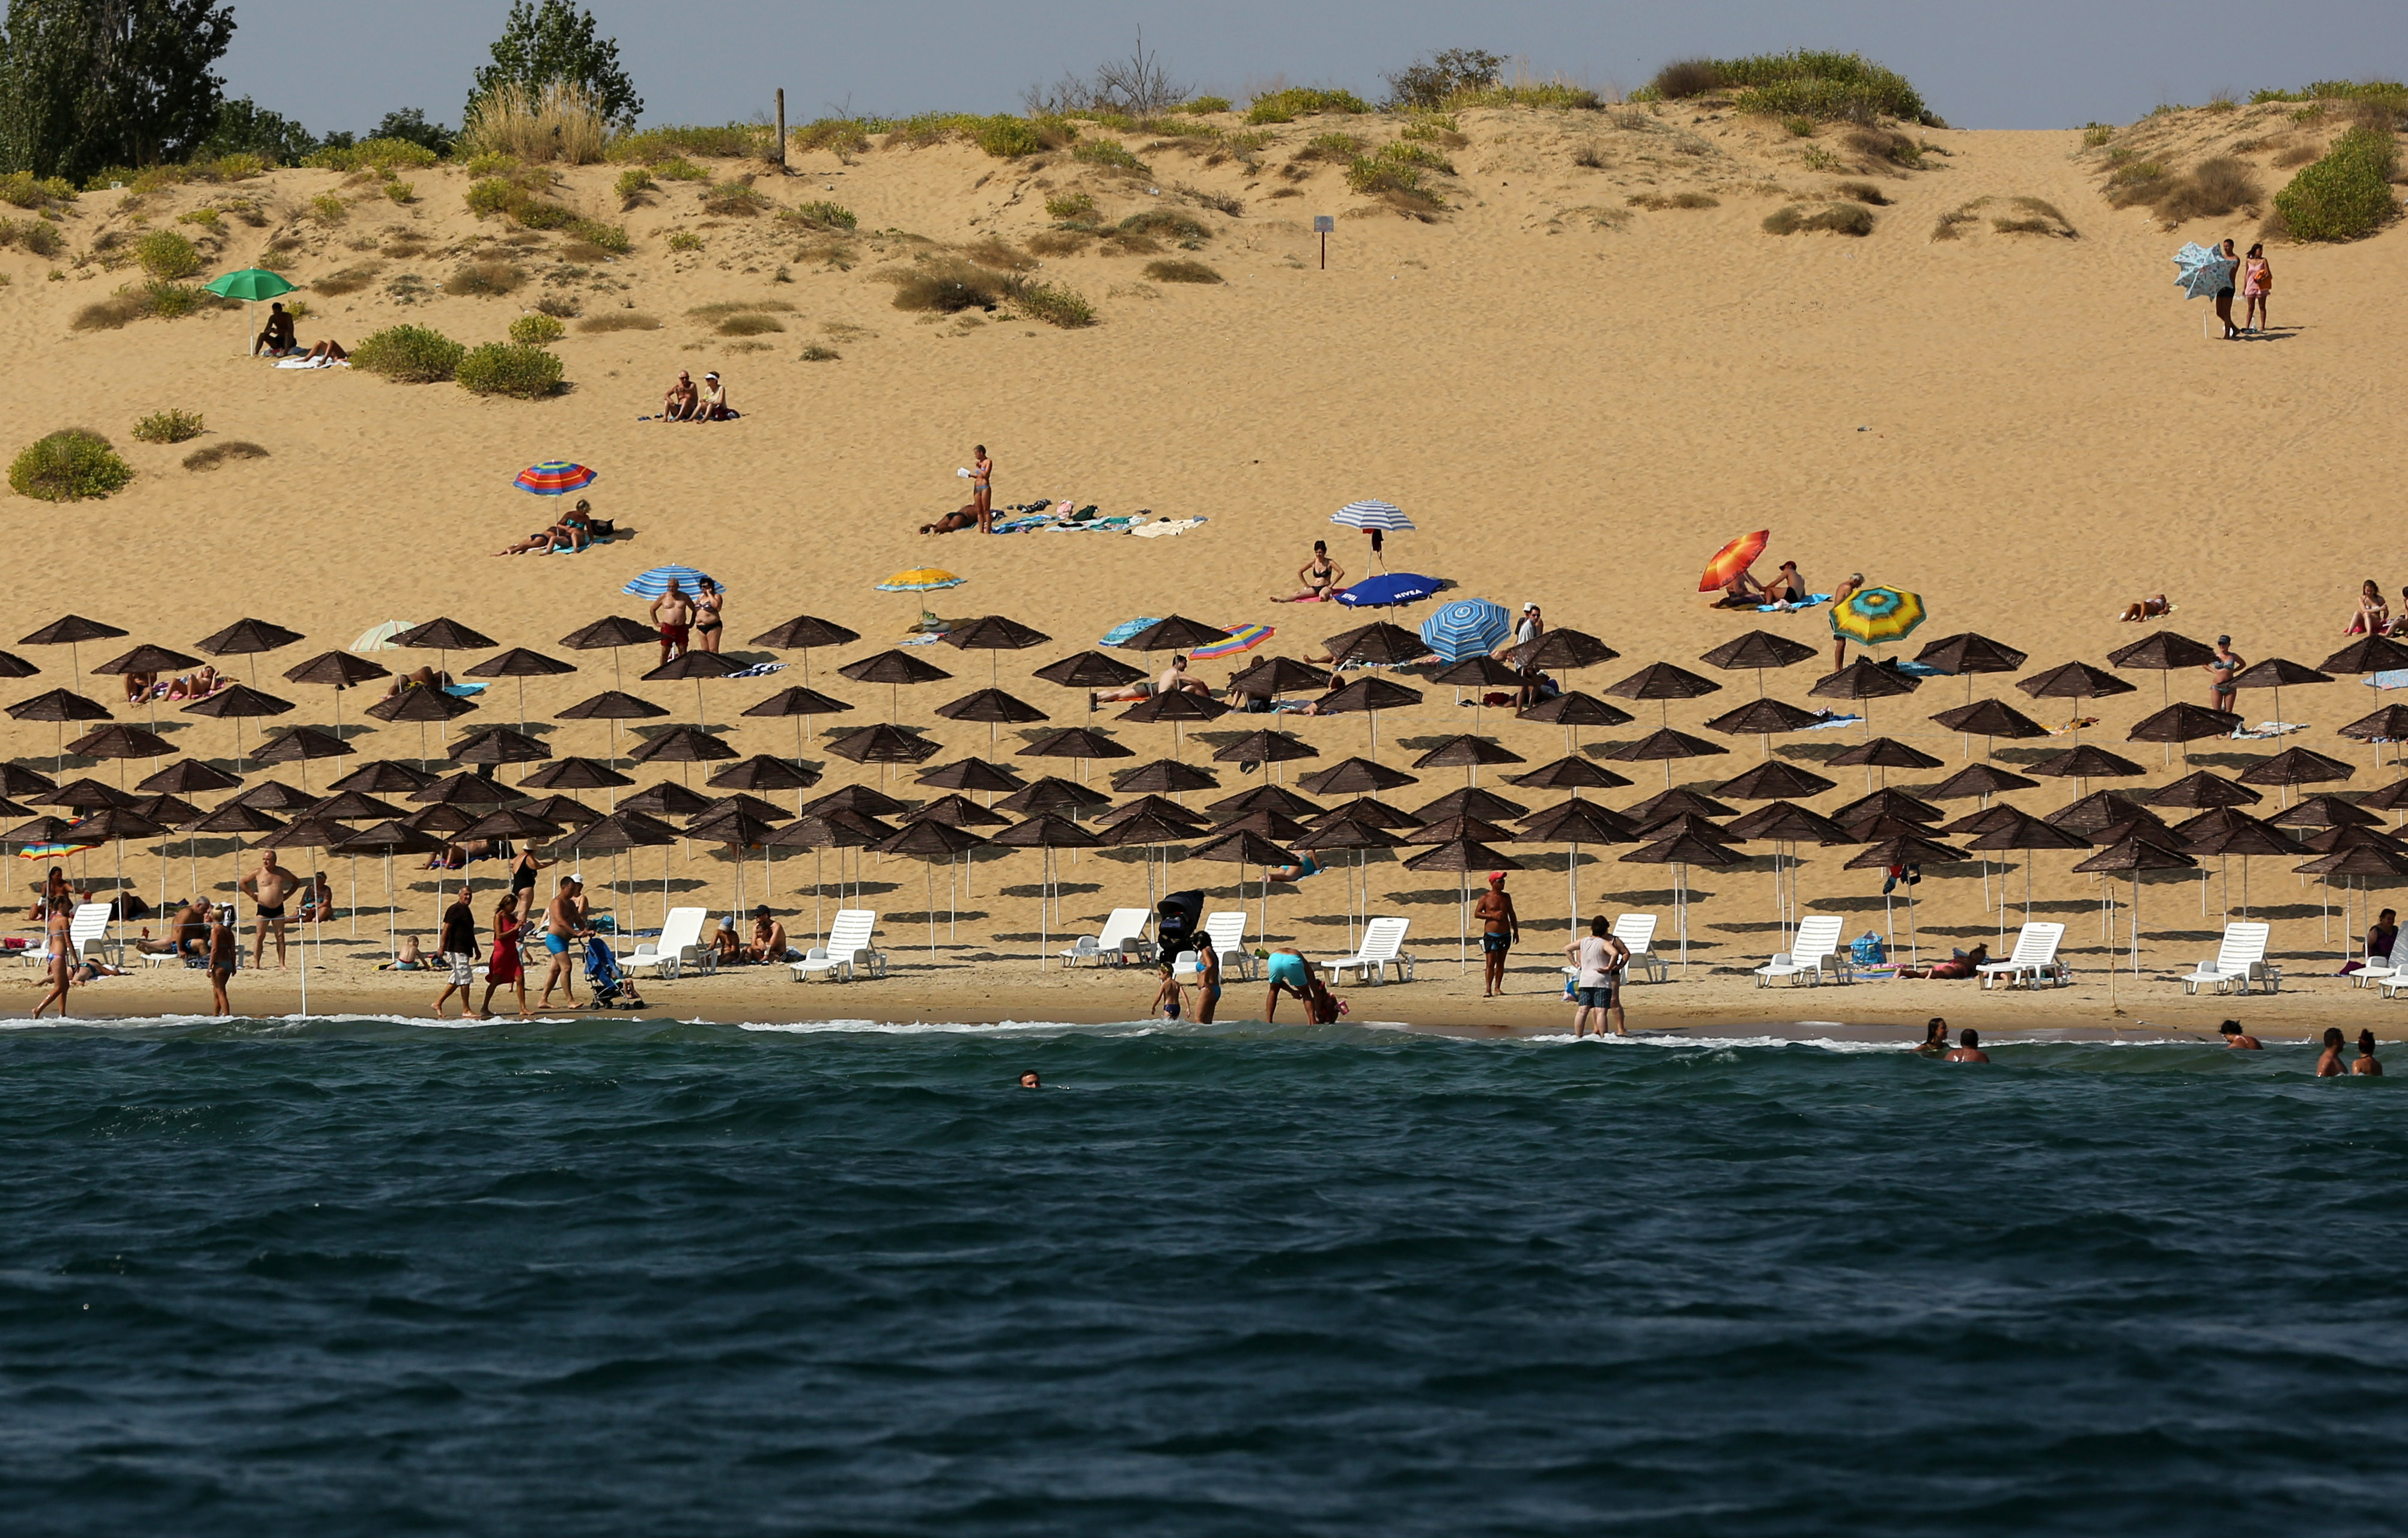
<point>781,128</point>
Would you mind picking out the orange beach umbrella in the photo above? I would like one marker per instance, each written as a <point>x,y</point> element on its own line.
<point>1732,559</point>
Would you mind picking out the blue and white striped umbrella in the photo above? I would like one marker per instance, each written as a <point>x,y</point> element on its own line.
<point>2202,272</point>
<point>1468,627</point>
<point>652,583</point>
<point>1386,516</point>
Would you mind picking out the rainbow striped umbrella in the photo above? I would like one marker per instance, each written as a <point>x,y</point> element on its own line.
<point>553,478</point>
<point>52,851</point>
<point>1243,638</point>
<point>1875,615</point>
<point>925,579</point>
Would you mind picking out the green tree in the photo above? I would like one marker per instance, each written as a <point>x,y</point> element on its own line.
<point>1427,83</point>
<point>410,124</point>
<point>87,83</point>
<point>244,127</point>
<point>554,41</point>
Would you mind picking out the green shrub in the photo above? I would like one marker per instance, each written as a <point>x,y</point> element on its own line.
<point>816,353</point>
<point>171,301</point>
<point>2338,91</point>
<point>678,169</point>
<point>329,208</point>
<point>2344,195</point>
<point>1008,138</point>
<point>164,253</point>
<point>634,180</point>
<point>509,369</point>
<point>535,330</point>
<point>410,354</point>
<point>844,135</point>
<point>1181,272</point>
<point>165,300</point>
<point>69,465</point>
<point>1207,104</point>
<point>1303,101</point>
<point>1163,223</point>
<point>1837,218</point>
<point>1340,148</point>
<point>610,238</point>
<point>1557,95</point>
<point>2095,134</point>
<point>39,236</point>
<point>683,241</point>
<point>27,191</point>
<point>822,216</point>
<point>491,162</point>
<point>169,426</point>
<point>375,155</point>
<point>1056,306</point>
<point>1391,181</point>
<point>539,213</point>
<point>728,141</point>
<point>490,196</point>
<point>751,323</point>
<point>1111,156</point>
<point>1405,153</point>
<point>1802,83</point>
<point>401,192</point>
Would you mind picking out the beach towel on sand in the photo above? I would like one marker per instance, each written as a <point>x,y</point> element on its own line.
<point>1834,721</point>
<point>1160,526</point>
<point>2267,728</point>
<point>1809,601</point>
<point>310,363</point>
<point>763,669</point>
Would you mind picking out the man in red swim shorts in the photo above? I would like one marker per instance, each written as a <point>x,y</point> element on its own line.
<point>673,615</point>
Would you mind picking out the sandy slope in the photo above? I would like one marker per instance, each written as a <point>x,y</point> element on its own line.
<point>2029,431</point>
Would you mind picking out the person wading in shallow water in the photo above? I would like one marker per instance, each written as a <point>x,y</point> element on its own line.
<point>1500,930</point>
<point>2240,1040</point>
<point>1968,1048</point>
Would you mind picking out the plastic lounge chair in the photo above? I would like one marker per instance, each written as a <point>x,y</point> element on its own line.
<point>1637,933</point>
<point>1228,932</point>
<point>2385,970</point>
<point>1123,938</point>
<point>680,946</point>
<point>1815,948</point>
<point>848,948</point>
<point>1381,948</point>
<point>87,933</point>
<point>2034,959</point>
<point>2240,961</point>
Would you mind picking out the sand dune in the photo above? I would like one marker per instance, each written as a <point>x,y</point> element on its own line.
<point>1576,408</point>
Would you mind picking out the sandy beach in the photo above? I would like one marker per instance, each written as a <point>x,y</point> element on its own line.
<point>1576,399</point>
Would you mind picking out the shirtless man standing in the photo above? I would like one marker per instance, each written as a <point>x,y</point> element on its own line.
<point>564,922</point>
<point>270,887</point>
<point>1840,595</point>
<point>1500,929</point>
<point>674,615</point>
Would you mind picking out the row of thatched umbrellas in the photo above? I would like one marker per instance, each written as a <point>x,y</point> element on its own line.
<point>1675,828</point>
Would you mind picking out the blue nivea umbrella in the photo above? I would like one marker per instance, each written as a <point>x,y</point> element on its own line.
<point>1468,627</point>
<point>1389,588</point>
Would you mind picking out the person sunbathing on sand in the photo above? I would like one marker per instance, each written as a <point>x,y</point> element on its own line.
<point>1744,592</point>
<point>418,678</point>
<point>965,516</point>
<point>138,686</point>
<point>682,401</point>
<point>1788,587</point>
<point>2147,608</point>
<point>330,349</point>
<point>2373,614</point>
<point>199,684</point>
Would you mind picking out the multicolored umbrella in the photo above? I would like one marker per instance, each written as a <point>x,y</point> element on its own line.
<point>553,478</point>
<point>2202,272</point>
<point>52,851</point>
<point>1388,588</point>
<point>1384,516</point>
<point>925,579</point>
<point>1877,616</point>
<point>1732,559</point>
<point>1468,627</point>
<point>652,583</point>
<point>1243,638</point>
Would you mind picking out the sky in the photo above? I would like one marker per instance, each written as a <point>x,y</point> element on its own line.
<point>2042,64</point>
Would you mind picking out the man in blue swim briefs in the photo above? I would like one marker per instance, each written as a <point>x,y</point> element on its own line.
<point>564,922</point>
<point>1500,929</point>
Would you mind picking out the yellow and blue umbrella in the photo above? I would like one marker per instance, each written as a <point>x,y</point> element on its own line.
<point>1875,616</point>
<point>1243,638</point>
<point>925,579</point>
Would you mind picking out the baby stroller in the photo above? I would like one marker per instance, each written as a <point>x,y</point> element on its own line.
<point>608,984</point>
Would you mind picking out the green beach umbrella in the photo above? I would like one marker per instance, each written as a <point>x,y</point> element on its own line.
<point>252,285</point>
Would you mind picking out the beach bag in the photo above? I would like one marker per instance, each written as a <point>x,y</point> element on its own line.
<point>1867,950</point>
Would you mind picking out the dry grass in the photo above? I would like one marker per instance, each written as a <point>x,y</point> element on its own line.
<point>1591,156</point>
<point>223,454</point>
<point>2212,189</point>
<point>349,280</point>
<point>725,307</point>
<point>1000,255</point>
<point>816,353</point>
<point>561,122</point>
<point>751,323</point>
<point>1182,272</point>
<point>1861,192</point>
<point>619,320</point>
<point>1658,201</point>
<point>1060,242</point>
<point>483,280</point>
<point>948,285</point>
<point>1852,219</point>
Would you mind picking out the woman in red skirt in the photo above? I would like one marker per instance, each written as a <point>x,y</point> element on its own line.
<point>504,965</point>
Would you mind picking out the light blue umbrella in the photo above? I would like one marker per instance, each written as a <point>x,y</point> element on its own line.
<point>652,583</point>
<point>1126,629</point>
<point>1468,627</point>
<point>2202,272</point>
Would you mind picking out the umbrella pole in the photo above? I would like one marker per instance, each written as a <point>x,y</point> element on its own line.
<point>929,873</point>
<point>1571,883</point>
<point>1681,906</point>
<point>391,939</point>
<point>1462,924</point>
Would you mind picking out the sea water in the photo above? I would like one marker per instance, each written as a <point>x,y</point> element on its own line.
<point>361,1277</point>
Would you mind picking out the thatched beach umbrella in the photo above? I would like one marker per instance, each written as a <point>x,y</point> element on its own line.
<point>614,706</point>
<point>1966,653</point>
<point>1371,813</point>
<point>1885,753</point>
<point>1468,752</point>
<point>1663,683</point>
<point>1573,824</point>
<point>1562,649</point>
<point>1178,707</point>
<point>2184,723</point>
<point>120,741</point>
<point>2073,680</point>
<point>1378,644</point>
<point>613,632</point>
<point>1572,773</point>
<point>1863,682</point>
<point>1343,835</point>
<point>1164,777</point>
<point>1260,747</point>
<point>1479,674</point>
<point>1078,742</point>
<point>696,666</point>
<point>1903,850</point>
<point>993,635</point>
<point>1176,634</point>
<point>624,832</point>
<point>442,636</point>
<point>2353,864</point>
<point>1046,832</point>
<point>248,638</point>
<point>1150,824</point>
<point>1773,780</point>
<point>804,632</point>
<point>521,664</point>
<point>2084,763</point>
<point>1370,694</point>
<point>1571,710</point>
<point>1090,670</point>
<point>71,631</point>
<point>2131,856</point>
<point>577,774</point>
<point>301,745</point>
<point>567,811</point>
<point>1990,719</point>
<point>463,790</point>
<point>1465,802</point>
<point>146,659</point>
<point>2297,767</point>
<point>1755,652</point>
<point>834,827</point>
<point>2273,673</point>
<point>929,841</point>
<point>2226,831</point>
<point>682,745</point>
<point>992,707</point>
<point>975,775</point>
<point>2387,724</point>
<point>1786,824</point>
<point>762,772</point>
<point>1279,798</point>
<point>59,707</point>
<point>498,745</point>
<point>337,671</point>
<point>2022,831</point>
<point>1271,677</point>
<point>1680,853</point>
<point>1666,745</point>
<point>1355,777</point>
<point>2163,652</point>
<point>238,702</point>
<point>1760,718</point>
<point>420,706</point>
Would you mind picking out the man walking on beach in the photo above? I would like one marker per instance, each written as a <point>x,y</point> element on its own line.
<point>460,953</point>
<point>674,615</point>
<point>563,924</point>
<point>1500,930</point>
<point>268,887</point>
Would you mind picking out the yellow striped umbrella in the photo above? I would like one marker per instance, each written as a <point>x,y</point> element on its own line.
<point>1875,615</point>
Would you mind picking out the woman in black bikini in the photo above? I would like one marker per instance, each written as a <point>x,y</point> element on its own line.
<point>522,870</point>
<point>1323,578</point>
<point>707,623</point>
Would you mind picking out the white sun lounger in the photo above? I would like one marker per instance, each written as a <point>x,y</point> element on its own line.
<point>2240,961</point>
<point>1637,933</point>
<point>679,947</point>
<point>1381,948</point>
<point>1228,932</point>
<point>1814,950</point>
<point>2034,959</point>
<point>848,947</point>
<point>1123,940</point>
